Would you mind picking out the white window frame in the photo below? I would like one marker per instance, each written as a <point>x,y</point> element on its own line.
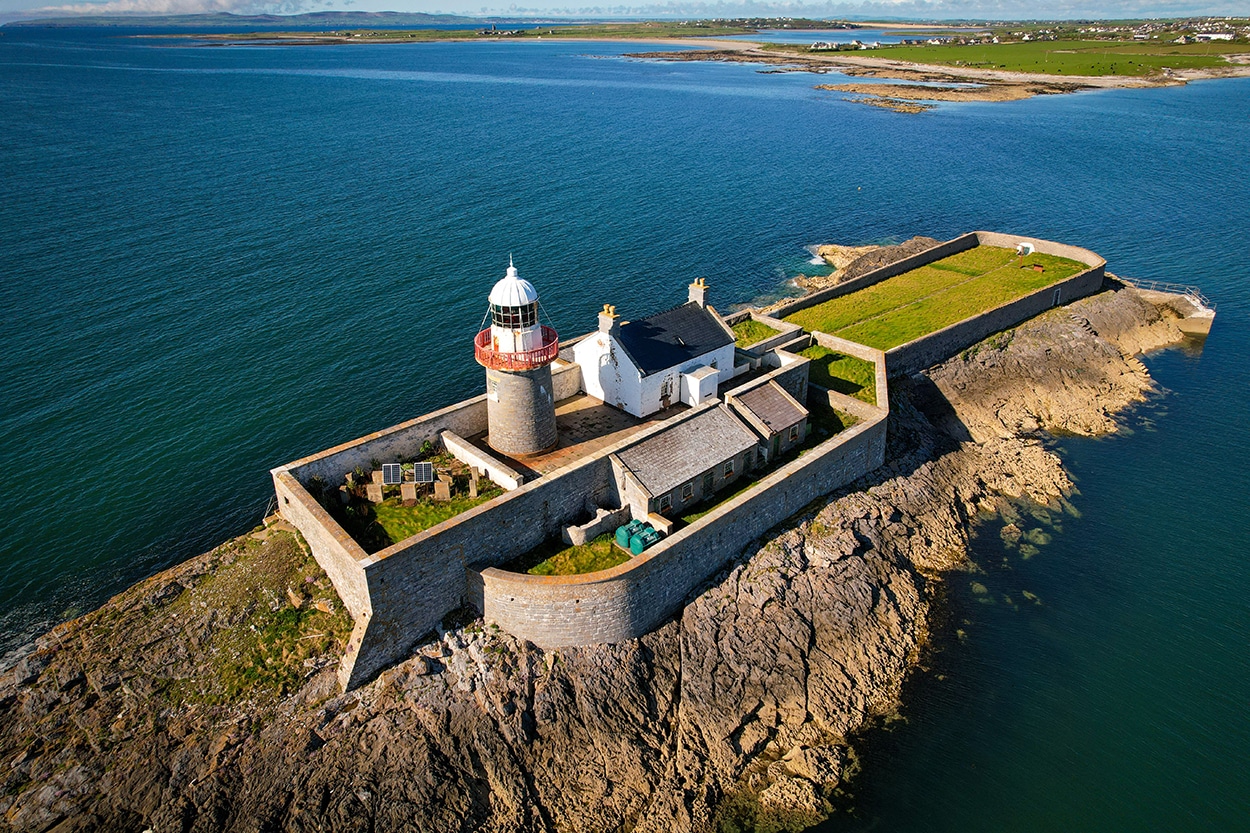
<point>664,503</point>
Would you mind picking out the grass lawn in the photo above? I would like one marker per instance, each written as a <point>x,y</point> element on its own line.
<point>376,527</point>
<point>1064,57</point>
<point>749,331</point>
<point>926,299</point>
<point>823,423</point>
<point>845,374</point>
<point>402,522</point>
<point>745,482</point>
<point>555,558</point>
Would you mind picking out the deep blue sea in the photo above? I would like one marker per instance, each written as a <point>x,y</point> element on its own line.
<point>214,260</point>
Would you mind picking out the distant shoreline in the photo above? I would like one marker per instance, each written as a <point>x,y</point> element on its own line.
<point>895,84</point>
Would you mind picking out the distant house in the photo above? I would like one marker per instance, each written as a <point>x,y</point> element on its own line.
<point>644,366</point>
<point>683,465</point>
<point>775,415</point>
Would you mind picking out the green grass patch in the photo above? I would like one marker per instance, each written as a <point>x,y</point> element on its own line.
<point>1064,57</point>
<point>743,483</point>
<point>399,522</point>
<point>555,558</point>
<point>825,422</point>
<point>376,526</point>
<point>926,299</point>
<point>846,374</point>
<point>749,331</point>
<point>257,642</point>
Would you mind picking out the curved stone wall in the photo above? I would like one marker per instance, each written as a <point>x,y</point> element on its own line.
<point>633,598</point>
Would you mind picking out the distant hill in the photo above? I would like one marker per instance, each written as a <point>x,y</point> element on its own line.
<point>219,20</point>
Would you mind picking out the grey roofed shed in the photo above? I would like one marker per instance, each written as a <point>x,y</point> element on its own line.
<point>769,403</point>
<point>665,461</point>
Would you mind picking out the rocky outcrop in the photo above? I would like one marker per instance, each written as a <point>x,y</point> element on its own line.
<point>1069,371</point>
<point>188,703</point>
<point>852,261</point>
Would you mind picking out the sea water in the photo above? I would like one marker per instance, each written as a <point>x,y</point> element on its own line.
<point>214,260</point>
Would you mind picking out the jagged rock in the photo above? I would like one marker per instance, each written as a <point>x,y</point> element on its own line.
<point>852,261</point>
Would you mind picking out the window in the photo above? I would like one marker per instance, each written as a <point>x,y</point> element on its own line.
<point>514,317</point>
<point>664,503</point>
<point>687,490</point>
<point>729,468</point>
<point>794,433</point>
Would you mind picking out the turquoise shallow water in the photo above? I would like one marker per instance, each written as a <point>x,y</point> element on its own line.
<point>216,260</point>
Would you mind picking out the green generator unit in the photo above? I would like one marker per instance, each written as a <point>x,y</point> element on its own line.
<point>626,532</point>
<point>645,537</point>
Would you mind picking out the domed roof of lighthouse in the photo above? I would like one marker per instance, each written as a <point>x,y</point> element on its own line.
<point>513,290</point>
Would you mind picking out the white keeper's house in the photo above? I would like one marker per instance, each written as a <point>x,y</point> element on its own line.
<point>644,366</point>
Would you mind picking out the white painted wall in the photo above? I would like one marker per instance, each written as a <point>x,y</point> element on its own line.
<point>608,374</point>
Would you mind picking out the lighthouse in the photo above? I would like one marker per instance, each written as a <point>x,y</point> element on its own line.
<point>517,353</point>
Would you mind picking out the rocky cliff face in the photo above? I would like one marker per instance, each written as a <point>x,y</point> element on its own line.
<point>204,699</point>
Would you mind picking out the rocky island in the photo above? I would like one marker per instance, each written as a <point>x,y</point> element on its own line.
<point>206,697</point>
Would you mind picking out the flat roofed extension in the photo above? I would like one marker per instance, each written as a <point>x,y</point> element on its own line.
<point>771,405</point>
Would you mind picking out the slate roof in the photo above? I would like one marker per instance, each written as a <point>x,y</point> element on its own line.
<point>665,461</point>
<point>672,337</point>
<point>771,405</point>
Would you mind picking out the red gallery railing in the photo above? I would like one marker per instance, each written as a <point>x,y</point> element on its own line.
<point>488,356</point>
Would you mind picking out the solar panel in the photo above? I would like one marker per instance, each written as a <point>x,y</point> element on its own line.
<point>392,474</point>
<point>423,472</point>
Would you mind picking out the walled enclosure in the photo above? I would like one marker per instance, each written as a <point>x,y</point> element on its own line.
<point>920,353</point>
<point>629,600</point>
<point>398,595</point>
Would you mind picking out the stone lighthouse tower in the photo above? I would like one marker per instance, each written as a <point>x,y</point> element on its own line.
<point>517,353</point>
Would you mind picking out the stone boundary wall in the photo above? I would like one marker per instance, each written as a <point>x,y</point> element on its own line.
<point>414,583</point>
<point>927,351</point>
<point>336,551</point>
<point>631,599</point>
<point>566,379</point>
<point>868,354</point>
<point>759,348</point>
<point>950,247</point>
<point>472,456</point>
<point>403,440</point>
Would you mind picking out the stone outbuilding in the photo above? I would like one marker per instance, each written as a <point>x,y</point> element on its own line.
<point>776,416</point>
<point>686,463</point>
<point>644,366</point>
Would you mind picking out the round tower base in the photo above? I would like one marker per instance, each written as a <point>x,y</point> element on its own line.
<point>520,411</point>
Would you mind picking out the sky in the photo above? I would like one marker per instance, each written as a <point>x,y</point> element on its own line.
<point>870,9</point>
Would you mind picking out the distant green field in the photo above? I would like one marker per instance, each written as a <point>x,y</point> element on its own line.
<point>596,31</point>
<point>934,296</point>
<point>1065,57</point>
